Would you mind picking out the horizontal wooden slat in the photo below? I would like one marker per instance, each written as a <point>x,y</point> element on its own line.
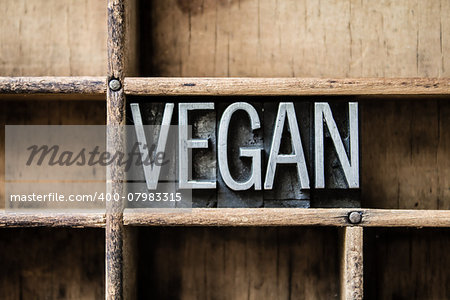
<point>53,85</point>
<point>286,217</point>
<point>227,86</point>
<point>237,217</point>
<point>78,220</point>
<point>405,218</point>
<point>285,86</point>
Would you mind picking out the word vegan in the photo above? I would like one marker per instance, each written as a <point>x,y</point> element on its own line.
<point>285,115</point>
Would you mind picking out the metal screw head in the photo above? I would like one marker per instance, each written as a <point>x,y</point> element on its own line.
<point>355,217</point>
<point>114,85</point>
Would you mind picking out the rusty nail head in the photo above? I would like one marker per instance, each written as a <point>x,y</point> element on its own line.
<point>355,217</point>
<point>114,85</point>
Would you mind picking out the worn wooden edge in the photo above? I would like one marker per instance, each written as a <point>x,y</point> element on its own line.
<point>53,85</point>
<point>352,276</point>
<point>286,217</point>
<point>285,86</point>
<point>53,97</point>
<point>114,232</point>
<point>96,85</point>
<point>235,217</point>
<point>52,219</point>
<point>115,109</point>
<point>405,218</point>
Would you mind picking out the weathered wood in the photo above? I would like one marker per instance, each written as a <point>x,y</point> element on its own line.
<point>237,217</point>
<point>406,263</point>
<point>287,217</point>
<point>53,85</point>
<point>132,38</point>
<point>405,218</point>
<point>334,38</point>
<point>115,142</point>
<point>229,86</point>
<point>80,98</point>
<point>238,263</point>
<point>405,159</point>
<point>352,264</point>
<point>53,38</point>
<point>287,38</point>
<point>116,38</point>
<point>286,86</point>
<point>130,262</point>
<point>114,256</point>
<point>76,220</point>
<point>52,263</point>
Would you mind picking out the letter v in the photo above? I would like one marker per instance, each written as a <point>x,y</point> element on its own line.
<point>151,172</point>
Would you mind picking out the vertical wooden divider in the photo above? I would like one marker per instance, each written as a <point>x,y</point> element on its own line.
<point>352,263</point>
<point>115,142</point>
<point>120,242</point>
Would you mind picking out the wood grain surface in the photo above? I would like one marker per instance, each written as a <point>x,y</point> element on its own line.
<point>404,143</point>
<point>42,219</point>
<point>286,86</point>
<point>406,263</point>
<point>53,85</point>
<point>236,217</point>
<point>327,39</point>
<point>118,15</point>
<point>52,263</point>
<point>352,264</point>
<point>238,263</point>
<point>405,159</point>
<point>286,217</point>
<point>53,38</point>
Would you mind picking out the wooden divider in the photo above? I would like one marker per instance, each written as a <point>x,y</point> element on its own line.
<point>288,217</point>
<point>115,118</point>
<point>286,86</point>
<point>237,217</point>
<point>87,85</point>
<point>352,264</point>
